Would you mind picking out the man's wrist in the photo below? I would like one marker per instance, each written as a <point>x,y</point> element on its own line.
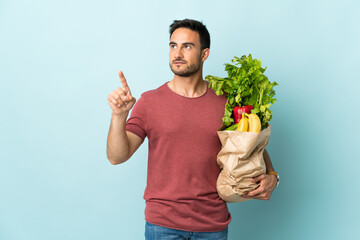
<point>276,175</point>
<point>121,117</point>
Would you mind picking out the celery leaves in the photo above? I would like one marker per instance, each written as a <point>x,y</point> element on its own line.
<point>245,84</point>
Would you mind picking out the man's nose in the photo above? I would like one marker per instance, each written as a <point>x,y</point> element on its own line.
<point>179,53</point>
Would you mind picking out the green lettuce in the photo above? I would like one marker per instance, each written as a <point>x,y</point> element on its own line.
<point>245,84</point>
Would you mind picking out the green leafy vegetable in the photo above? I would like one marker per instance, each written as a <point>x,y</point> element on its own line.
<point>245,84</point>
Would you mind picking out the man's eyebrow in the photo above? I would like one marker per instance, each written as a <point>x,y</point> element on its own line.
<point>185,43</point>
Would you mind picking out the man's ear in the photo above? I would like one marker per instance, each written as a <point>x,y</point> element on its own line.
<point>205,54</point>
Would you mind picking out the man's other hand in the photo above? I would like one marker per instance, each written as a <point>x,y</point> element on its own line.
<point>264,191</point>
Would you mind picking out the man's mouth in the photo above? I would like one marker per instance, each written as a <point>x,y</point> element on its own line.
<point>179,62</point>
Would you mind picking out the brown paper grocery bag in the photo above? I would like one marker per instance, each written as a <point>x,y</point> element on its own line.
<point>240,159</point>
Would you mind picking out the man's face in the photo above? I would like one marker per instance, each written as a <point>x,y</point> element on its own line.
<point>185,52</point>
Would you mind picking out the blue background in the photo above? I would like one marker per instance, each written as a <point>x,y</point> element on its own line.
<point>59,61</point>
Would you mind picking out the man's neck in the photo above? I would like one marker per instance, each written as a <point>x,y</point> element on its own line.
<point>193,86</point>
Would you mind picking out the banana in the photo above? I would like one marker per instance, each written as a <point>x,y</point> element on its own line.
<point>243,124</point>
<point>254,123</point>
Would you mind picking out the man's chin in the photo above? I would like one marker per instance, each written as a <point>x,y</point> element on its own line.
<point>182,73</point>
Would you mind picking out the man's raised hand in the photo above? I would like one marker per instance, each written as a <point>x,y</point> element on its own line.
<point>121,100</point>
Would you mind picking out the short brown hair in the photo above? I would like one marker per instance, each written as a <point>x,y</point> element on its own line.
<point>195,26</point>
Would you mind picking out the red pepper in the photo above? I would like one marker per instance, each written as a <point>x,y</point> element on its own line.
<point>238,111</point>
<point>250,108</point>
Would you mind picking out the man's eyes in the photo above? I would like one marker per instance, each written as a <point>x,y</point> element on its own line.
<point>188,47</point>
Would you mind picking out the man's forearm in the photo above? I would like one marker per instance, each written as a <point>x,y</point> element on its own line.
<point>117,142</point>
<point>267,161</point>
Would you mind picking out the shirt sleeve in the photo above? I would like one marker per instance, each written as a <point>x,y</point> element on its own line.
<point>137,121</point>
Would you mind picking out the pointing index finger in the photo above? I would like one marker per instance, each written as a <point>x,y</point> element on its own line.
<point>123,80</point>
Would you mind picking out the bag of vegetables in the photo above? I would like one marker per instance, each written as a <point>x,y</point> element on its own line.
<point>245,132</point>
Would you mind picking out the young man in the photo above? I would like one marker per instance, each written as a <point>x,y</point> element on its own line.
<point>180,119</point>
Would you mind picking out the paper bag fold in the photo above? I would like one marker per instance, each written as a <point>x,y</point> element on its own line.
<point>240,159</point>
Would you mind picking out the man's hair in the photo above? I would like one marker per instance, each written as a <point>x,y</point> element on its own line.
<point>194,26</point>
